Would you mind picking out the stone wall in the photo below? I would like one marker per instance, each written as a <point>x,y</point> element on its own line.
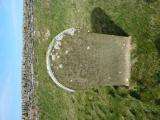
<point>29,111</point>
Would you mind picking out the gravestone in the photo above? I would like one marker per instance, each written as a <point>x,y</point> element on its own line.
<point>86,60</point>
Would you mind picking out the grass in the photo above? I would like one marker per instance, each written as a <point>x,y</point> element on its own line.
<point>138,18</point>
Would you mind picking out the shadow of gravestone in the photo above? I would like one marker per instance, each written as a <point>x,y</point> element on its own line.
<point>102,23</point>
<point>157,43</point>
<point>149,1</point>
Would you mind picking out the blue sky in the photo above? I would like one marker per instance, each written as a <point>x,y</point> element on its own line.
<point>11,12</point>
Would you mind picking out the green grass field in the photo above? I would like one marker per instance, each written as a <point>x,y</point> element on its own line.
<point>137,18</point>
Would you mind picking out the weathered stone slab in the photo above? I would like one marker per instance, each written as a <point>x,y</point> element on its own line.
<point>88,60</point>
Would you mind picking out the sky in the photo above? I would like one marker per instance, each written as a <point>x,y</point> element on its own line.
<point>11,20</point>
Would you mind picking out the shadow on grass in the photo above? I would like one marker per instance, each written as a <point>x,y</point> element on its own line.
<point>157,43</point>
<point>102,23</point>
<point>150,1</point>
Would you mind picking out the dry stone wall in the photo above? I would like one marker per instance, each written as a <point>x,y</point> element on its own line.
<point>29,111</point>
